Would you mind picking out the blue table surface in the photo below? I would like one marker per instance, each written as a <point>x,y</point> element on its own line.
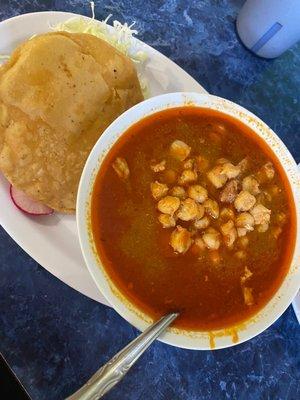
<point>53,337</point>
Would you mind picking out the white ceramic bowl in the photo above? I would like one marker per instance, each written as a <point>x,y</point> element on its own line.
<point>191,340</point>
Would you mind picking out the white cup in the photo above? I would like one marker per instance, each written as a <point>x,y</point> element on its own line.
<point>269,27</point>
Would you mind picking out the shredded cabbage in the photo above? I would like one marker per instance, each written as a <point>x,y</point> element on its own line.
<point>121,37</point>
<point>3,58</point>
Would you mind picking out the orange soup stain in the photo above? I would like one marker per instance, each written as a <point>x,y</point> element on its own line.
<point>212,343</point>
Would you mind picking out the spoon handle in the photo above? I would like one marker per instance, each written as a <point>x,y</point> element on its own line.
<point>115,369</point>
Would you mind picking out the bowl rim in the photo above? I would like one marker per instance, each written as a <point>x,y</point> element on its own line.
<point>189,340</point>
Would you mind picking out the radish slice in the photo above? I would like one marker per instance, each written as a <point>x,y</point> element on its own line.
<point>26,204</point>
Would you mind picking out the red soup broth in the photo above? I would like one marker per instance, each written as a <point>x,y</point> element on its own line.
<point>203,285</point>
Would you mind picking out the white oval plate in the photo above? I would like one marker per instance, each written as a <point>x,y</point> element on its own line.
<point>52,241</point>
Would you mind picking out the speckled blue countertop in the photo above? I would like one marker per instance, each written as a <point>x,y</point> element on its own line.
<point>54,338</point>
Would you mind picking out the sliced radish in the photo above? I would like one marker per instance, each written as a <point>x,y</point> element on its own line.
<point>26,204</point>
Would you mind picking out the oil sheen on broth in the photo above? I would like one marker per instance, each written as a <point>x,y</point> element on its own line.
<point>191,211</point>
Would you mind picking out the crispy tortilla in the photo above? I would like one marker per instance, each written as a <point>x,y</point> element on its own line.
<point>58,92</point>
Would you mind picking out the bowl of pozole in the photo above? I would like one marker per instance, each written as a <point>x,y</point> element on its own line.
<point>190,203</point>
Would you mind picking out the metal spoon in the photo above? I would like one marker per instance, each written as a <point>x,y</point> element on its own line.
<point>115,369</point>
